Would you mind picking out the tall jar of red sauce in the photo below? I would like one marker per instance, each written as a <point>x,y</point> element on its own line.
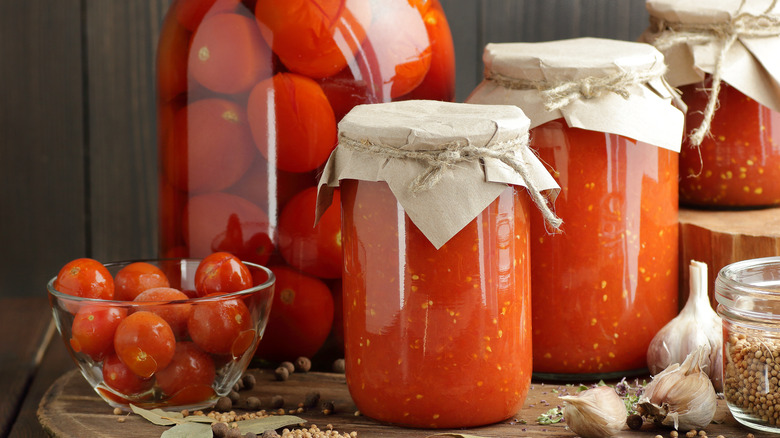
<point>602,120</point>
<point>723,54</point>
<point>249,95</point>
<point>435,229</point>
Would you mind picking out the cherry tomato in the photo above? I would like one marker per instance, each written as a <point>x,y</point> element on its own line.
<point>87,278</point>
<point>222,327</point>
<point>228,55</point>
<point>403,57</point>
<point>175,315</point>
<point>92,332</point>
<point>344,91</point>
<point>211,220</point>
<point>315,38</point>
<point>439,83</point>
<point>220,273</point>
<point>145,343</point>
<point>172,50</point>
<point>315,250</point>
<point>248,241</point>
<point>137,277</point>
<point>189,376</point>
<point>211,147</point>
<point>301,317</point>
<point>301,131</point>
<point>117,376</point>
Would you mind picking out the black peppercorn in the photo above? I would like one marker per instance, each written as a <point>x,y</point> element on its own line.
<point>311,399</point>
<point>302,364</point>
<point>281,374</point>
<point>634,421</point>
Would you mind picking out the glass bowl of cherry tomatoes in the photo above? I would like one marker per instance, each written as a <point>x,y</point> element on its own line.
<point>171,333</point>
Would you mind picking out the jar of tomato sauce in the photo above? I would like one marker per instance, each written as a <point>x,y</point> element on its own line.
<point>435,230</point>
<point>602,119</point>
<point>249,95</point>
<point>721,56</point>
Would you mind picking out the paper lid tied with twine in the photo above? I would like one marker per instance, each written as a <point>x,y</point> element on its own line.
<point>444,162</point>
<point>596,84</point>
<point>737,41</point>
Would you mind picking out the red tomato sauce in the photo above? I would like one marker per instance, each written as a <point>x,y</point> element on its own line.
<point>249,97</point>
<point>608,283</point>
<point>739,164</point>
<point>435,338</point>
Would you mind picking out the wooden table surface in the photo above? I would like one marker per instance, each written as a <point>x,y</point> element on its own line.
<point>41,385</point>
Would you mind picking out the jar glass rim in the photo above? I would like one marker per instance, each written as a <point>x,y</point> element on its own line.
<point>750,287</point>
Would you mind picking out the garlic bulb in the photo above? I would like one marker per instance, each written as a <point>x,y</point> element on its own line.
<point>681,396</point>
<point>595,413</point>
<point>697,324</point>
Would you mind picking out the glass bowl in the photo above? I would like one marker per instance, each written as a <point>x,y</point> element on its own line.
<point>119,346</point>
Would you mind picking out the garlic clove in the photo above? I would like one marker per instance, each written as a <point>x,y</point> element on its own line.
<point>595,413</point>
<point>681,396</point>
<point>697,324</point>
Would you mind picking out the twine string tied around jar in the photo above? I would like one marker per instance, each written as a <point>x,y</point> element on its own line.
<point>558,94</point>
<point>437,161</point>
<point>743,25</point>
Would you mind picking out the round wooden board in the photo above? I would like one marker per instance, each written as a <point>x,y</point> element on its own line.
<point>71,409</point>
<point>719,238</point>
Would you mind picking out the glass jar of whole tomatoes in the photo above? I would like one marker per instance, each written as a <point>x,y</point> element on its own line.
<point>721,56</point>
<point>436,260</point>
<point>602,120</point>
<point>249,95</point>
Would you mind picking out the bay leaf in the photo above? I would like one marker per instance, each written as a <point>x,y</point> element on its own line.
<point>260,425</point>
<point>158,416</point>
<point>189,430</point>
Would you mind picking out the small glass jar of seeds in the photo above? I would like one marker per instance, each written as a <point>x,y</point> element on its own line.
<point>748,294</point>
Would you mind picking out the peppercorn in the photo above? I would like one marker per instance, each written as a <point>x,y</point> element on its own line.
<point>289,365</point>
<point>233,433</point>
<point>328,408</point>
<point>277,402</point>
<point>634,422</point>
<point>219,430</point>
<point>311,399</point>
<point>270,434</point>
<point>302,364</point>
<point>223,404</point>
<point>249,381</point>
<point>250,435</point>
<point>234,397</point>
<point>339,366</point>
<point>253,403</point>
<point>281,374</point>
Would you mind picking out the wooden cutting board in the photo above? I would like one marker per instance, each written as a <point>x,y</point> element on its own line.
<point>71,409</point>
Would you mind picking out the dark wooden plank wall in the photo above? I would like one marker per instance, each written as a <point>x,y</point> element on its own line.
<point>77,116</point>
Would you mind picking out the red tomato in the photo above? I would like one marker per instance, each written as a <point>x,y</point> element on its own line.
<point>338,313</point>
<point>301,131</point>
<point>135,278</point>
<point>315,38</point>
<point>172,49</point>
<point>145,343</point>
<point>400,46</point>
<point>221,273</point>
<point>228,55</point>
<point>222,327</point>
<point>248,241</point>
<point>315,250</point>
<point>344,91</point>
<point>191,12</point>
<point>85,278</point>
<point>301,317</point>
<point>190,370</point>
<point>220,221</point>
<point>175,315</point>
<point>439,83</point>
<point>211,146</point>
<point>117,376</point>
<point>93,330</point>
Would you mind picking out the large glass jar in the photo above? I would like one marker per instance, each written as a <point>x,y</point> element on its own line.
<point>722,56</point>
<point>603,122</point>
<point>606,286</point>
<point>738,163</point>
<point>748,295</point>
<point>249,95</point>
<point>435,231</point>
